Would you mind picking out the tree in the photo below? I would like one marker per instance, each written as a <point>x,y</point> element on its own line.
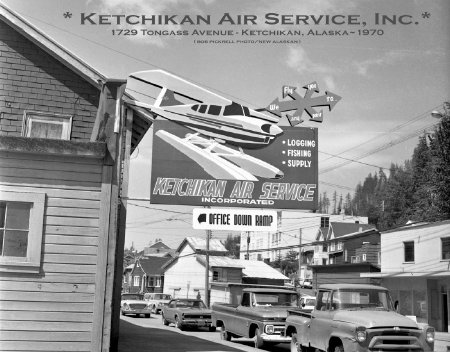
<point>233,245</point>
<point>440,152</point>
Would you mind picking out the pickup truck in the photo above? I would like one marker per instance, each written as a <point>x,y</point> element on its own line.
<point>356,318</point>
<point>261,315</point>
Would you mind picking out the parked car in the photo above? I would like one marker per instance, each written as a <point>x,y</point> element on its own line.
<point>187,312</point>
<point>157,301</point>
<point>306,283</point>
<point>307,302</point>
<point>133,303</point>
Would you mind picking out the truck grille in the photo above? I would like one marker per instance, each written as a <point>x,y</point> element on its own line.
<point>137,305</point>
<point>394,340</point>
<point>278,329</point>
<point>197,316</point>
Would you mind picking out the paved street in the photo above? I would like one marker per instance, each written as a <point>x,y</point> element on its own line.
<point>141,334</point>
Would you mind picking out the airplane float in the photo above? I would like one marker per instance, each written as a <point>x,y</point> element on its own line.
<point>216,121</point>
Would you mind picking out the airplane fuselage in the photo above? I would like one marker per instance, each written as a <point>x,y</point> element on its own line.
<point>249,129</point>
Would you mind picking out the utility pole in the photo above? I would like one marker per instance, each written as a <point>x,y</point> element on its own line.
<point>208,236</point>
<point>299,252</point>
<point>247,257</point>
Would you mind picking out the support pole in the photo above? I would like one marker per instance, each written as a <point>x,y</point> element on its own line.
<point>208,236</point>
<point>299,253</point>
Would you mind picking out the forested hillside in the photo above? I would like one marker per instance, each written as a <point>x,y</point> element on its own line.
<point>418,190</point>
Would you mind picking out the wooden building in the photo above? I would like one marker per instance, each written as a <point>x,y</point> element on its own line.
<point>65,139</point>
<point>184,276</point>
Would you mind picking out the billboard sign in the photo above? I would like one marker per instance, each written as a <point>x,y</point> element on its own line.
<point>189,169</point>
<point>234,219</point>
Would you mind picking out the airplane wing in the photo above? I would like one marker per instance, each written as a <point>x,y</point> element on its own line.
<point>147,86</point>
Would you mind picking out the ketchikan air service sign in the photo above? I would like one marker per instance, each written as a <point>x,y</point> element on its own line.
<point>193,170</point>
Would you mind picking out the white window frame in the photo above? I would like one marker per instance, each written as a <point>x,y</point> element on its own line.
<point>136,280</point>
<point>441,254</point>
<point>364,257</point>
<point>51,118</point>
<point>32,262</point>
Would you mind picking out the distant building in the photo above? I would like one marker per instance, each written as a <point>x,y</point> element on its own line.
<point>340,243</point>
<point>185,275</point>
<point>146,275</point>
<point>295,228</point>
<point>158,249</point>
<point>415,264</point>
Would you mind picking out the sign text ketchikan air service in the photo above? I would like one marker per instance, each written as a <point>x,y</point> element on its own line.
<point>289,179</point>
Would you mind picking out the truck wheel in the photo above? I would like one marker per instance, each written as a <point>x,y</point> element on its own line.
<point>164,320</point>
<point>178,323</point>
<point>338,348</point>
<point>224,335</point>
<point>295,345</point>
<point>212,328</point>
<point>259,342</point>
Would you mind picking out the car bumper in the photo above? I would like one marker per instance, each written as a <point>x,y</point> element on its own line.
<point>136,311</point>
<point>275,338</point>
<point>197,322</point>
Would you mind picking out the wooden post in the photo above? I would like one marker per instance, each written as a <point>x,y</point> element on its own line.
<point>208,235</point>
<point>299,253</point>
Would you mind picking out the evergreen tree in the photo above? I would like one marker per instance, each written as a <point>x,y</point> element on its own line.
<point>440,151</point>
<point>233,245</point>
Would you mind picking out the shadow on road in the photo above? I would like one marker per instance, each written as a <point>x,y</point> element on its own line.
<point>133,338</point>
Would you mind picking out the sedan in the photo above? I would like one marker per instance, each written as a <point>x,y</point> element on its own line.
<point>186,312</point>
<point>133,303</point>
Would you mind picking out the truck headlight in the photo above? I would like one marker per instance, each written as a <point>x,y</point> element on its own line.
<point>269,329</point>
<point>361,334</point>
<point>126,307</point>
<point>430,335</point>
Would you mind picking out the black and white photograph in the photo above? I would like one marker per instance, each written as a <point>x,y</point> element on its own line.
<point>205,175</point>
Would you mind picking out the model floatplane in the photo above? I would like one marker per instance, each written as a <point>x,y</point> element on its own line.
<point>216,121</point>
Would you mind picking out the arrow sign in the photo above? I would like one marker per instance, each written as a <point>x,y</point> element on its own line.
<point>294,119</point>
<point>288,90</point>
<point>306,103</point>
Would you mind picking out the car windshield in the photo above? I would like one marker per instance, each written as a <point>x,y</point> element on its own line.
<point>275,299</point>
<point>162,296</point>
<point>132,297</point>
<point>362,299</point>
<point>191,304</point>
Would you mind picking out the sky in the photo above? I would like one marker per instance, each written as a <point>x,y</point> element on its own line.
<point>389,79</point>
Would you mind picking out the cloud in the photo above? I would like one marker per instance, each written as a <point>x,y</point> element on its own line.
<point>298,60</point>
<point>389,58</point>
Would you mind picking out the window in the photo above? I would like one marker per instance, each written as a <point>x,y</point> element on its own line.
<point>339,245</point>
<point>215,275</point>
<point>409,251</point>
<point>21,226</point>
<point>202,108</point>
<point>46,125</point>
<point>153,281</point>
<point>214,110</point>
<point>332,247</point>
<point>325,221</point>
<point>233,109</point>
<point>364,257</point>
<point>136,281</point>
<point>445,248</point>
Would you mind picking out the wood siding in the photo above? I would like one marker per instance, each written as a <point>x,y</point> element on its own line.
<point>34,80</point>
<point>54,309</point>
